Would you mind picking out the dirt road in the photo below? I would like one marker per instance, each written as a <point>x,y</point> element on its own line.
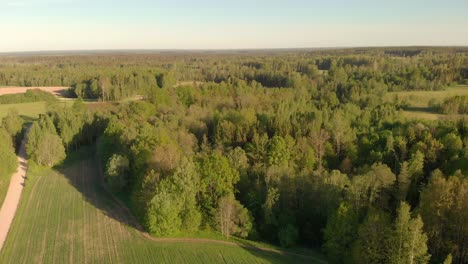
<point>8,210</point>
<point>55,90</point>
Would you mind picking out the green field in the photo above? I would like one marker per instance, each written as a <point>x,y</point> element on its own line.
<point>418,102</point>
<point>65,216</point>
<point>26,110</point>
<point>422,98</point>
<point>31,111</point>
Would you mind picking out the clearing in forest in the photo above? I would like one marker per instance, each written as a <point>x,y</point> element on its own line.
<point>418,102</point>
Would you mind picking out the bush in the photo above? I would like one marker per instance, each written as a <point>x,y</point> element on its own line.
<point>233,218</point>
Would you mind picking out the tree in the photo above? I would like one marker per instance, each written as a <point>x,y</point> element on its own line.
<point>233,218</point>
<point>415,171</point>
<point>341,130</point>
<point>165,80</point>
<point>187,180</point>
<point>373,186</point>
<point>7,156</point>
<point>116,172</point>
<point>217,180</point>
<point>162,217</point>
<point>288,235</point>
<point>448,260</point>
<point>408,243</point>
<point>278,151</point>
<point>49,150</point>
<point>340,233</point>
<point>173,207</point>
<point>12,123</point>
<point>444,208</point>
<point>318,139</point>
<point>452,145</point>
<point>403,182</point>
<point>44,145</point>
<point>304,155</point>
<point>373,235</point>
<point>34,136</point>
<point>104,85</point>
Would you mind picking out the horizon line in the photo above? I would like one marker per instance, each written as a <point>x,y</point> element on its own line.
<point>124,50</point>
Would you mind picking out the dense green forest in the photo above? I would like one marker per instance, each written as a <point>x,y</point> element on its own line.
<point>289,147</point>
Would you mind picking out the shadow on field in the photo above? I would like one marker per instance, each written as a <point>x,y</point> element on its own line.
<point>421,109</point>
<point>81,169</point>
<point>276,256</point>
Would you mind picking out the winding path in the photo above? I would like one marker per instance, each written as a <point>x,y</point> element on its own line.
<point>8,210</point>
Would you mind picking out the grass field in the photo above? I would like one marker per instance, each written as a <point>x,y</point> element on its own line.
<point>418,102</point>
<point>31,111</point>
<point>27,110</point>
<point>422,98</point>
<point>65,216</point>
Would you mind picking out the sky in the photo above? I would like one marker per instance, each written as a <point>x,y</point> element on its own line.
<point>39,25</point>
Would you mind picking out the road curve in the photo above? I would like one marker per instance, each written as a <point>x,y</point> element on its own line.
<point>8,210</point>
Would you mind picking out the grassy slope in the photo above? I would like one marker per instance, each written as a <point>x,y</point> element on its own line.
<point>65,217</point>
<point>419,102</point>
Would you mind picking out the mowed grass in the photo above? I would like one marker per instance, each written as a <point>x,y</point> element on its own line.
<point>418,102</point>
<point>65,216</point>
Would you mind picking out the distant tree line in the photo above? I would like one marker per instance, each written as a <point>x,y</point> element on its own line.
<point>121,76</point>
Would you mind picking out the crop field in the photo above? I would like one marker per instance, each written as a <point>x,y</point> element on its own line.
<point>65,216</point>
<point>419,102</point>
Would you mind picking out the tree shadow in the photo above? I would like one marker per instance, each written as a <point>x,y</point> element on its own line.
<point>82,171</point>
<point>65,93</point>
<point>420,109</point>
<point>280,256</point>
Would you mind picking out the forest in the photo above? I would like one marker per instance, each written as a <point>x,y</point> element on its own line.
<point>294,148</point>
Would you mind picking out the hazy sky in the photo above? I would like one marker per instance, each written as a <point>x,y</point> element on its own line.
<point>209,24</point>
